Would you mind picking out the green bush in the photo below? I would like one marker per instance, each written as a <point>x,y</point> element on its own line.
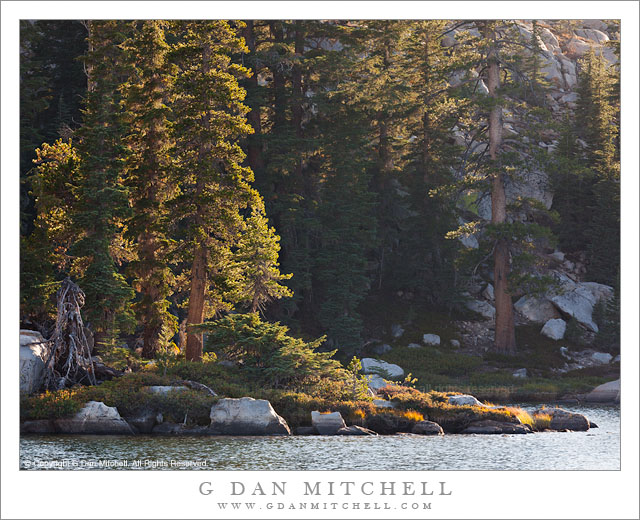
<point>128,394</point>
<point>50,405</point>
<point>268,354</point>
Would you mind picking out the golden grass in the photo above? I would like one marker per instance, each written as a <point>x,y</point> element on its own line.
<point>542,421</point>
<point>523,415</point>
<point>412,415</point>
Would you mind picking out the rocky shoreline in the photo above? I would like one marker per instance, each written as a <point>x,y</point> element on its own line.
<point>256,417</point>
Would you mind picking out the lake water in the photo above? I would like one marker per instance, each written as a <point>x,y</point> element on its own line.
<point>596,449</point>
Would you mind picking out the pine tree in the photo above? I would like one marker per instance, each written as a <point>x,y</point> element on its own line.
<point>210,120</point>
<point>148,178</point>
<point>505,335</point>
<point>52,84</point>
<point>424,260</point>
<point>347,228</point>
<point>102,201</point>
<point>256,261</point>
<point>595,175</point>
<point>45,257</point>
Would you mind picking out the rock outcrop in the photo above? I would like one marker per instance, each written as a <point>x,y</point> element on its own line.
<point>33,354</point>
<point>601,358</point>
<point>554,329</point>
<point>427,428</point>
<point>536,310</point>
<point>355,430</point>
<point>143,422</point>
<point>95,418</point>
<point>564,420</point>
<point>431,340</point>
<point>327,423</point>
<point>376,382</point>
<point>494,427</point>
<point>606,393</point>
<point>379,367</point>
<point>464,400</point>
<point>246,416</point>
<point>485,309</point>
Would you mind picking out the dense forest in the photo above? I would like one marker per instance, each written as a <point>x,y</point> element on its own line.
<point>343,178</point>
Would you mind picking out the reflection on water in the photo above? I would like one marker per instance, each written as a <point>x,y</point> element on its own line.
<point>596,449</point>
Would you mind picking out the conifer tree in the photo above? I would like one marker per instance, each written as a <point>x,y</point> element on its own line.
<point>148,178</point>
<point>347,226</point>
<point>597,118</point>
<point>424,260</point>
<point>256,261</point>
<point>210,120</point>
<point>45,254</point>
<point>505,336</point>
<point>102,202</point>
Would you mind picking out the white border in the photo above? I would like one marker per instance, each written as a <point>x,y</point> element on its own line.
<point>477,494</point>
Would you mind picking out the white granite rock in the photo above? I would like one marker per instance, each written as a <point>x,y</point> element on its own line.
<point>554,329</point>
<point>488,293</point>
<point>432,340</point>
<point>602,358</point>
<point>95,418</point>
<point>485,309</point>
<point>397,331</point>
<point>580,300</point>
<point>33,355</point>
<point>376,382</point>
<point>246,416</point>
<point>327,423</point>
<point>606,393</point>
<point>464,399</point>
<point>536,310</point>
<point>379,367</point>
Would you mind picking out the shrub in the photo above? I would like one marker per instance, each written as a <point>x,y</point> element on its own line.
<point>268,354</point>
<point>50,405</point>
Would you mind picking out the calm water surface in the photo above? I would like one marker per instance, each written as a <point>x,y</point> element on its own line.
<point>596,449</point>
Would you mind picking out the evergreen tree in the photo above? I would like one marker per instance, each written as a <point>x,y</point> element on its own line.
<point>256,261</point>
<point>424,260</point>
<point>45,257</point>
<point>52,84</point>
<point>347,228</point>
<point>210,119</point>
<point>148,178</point>
<point>505,335</point>
<point>102,202</point>
<point>587,181</point>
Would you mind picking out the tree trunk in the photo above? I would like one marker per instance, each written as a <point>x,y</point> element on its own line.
<point>279,93</point>
<point>199,268</point>
<point>426,120</point>
<point>149,243</point>
<point>151,293</point>
<point>195,314</point>
<point>296,109</point>
<point>254,142</point>
<point>505,335</point>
